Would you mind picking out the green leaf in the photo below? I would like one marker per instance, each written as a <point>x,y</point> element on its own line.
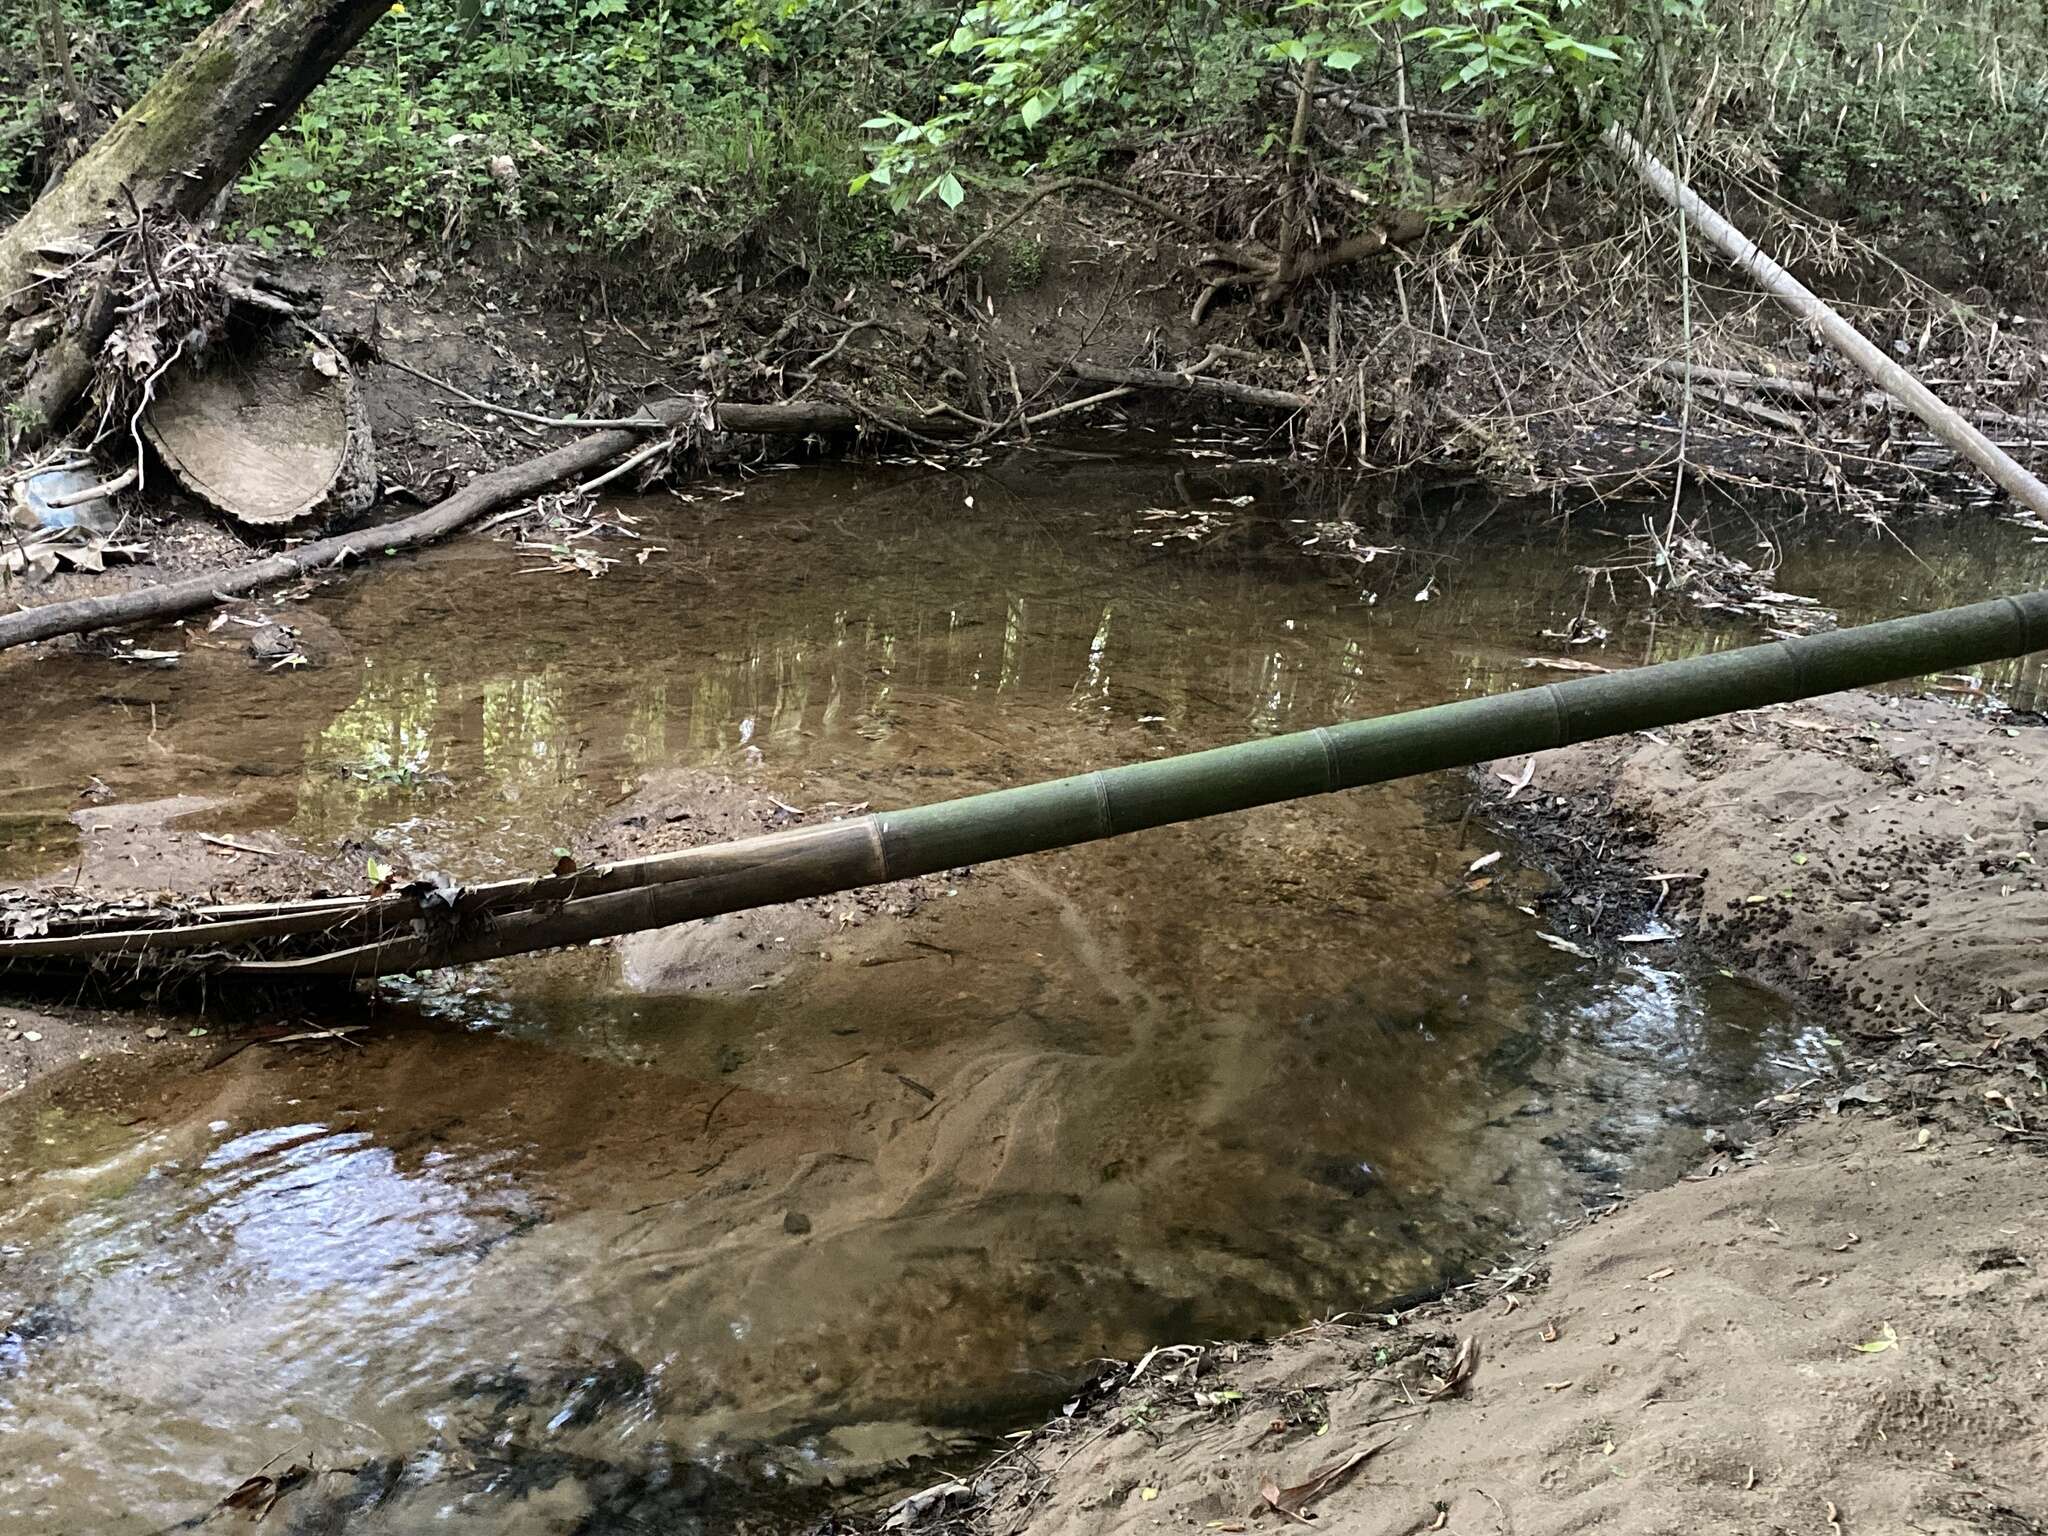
<point>1886,1339</point>
<point>1342,58</point>
<point>951,193</point>
<point>1032,111</point>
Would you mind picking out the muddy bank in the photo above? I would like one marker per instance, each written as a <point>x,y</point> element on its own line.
<point>1833,1326</point>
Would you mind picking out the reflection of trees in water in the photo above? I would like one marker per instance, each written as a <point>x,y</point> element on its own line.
<point>388,732</point>
<point>937,623</point>
<point>414,749</point>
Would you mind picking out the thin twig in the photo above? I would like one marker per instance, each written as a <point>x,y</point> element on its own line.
<point>573,423</point>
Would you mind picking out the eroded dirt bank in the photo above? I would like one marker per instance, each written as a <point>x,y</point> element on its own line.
<point>1835,1327</point>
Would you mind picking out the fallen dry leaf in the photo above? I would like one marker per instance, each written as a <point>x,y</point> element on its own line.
<point>249,1494</point>
<point>257,1496</point>
<point>1293,1502</point>
<point>1464,1366</point>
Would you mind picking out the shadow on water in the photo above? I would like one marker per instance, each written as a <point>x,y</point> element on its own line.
<point>586,1243</point>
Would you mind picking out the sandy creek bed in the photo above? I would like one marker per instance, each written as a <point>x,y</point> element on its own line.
<point>675,1231</point>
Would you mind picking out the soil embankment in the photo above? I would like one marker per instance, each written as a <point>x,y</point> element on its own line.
<point>1834,1328</point>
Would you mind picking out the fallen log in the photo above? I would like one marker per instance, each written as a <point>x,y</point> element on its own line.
<point>1941,418</point>
<point>515,917</point>
<point>270,434</point>
<point>170,154</point>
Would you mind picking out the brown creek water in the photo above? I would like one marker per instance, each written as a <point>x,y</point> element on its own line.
<point>674,1234</point>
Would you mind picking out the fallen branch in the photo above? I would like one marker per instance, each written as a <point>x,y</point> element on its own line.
<point>795,418</point>
<point>1728,398</point>
<point>1189,384</point>
<point>1801,389</point>
<point>481,495</point>
<point>640,423</point>
<point>99,492</point>
<point>1942,419</point>
<point>1121,392</point>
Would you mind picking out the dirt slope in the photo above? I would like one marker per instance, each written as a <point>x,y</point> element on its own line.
<point>1837,1329</point>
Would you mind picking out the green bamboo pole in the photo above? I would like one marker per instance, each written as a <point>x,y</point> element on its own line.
<point>895,845</point>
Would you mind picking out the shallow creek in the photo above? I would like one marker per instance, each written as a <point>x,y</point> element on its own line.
<point>663,1235</point>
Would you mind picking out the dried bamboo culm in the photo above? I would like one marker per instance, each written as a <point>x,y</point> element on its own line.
<point>1943,420</point>
<point>381,935</point>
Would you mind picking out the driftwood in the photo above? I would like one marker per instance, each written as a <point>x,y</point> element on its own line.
<point>170,154</point>
<point>1942,419</point>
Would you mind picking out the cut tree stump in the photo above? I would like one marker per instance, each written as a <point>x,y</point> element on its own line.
<point>272,435</point>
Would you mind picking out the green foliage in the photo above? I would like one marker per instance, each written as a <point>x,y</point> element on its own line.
<point>1060,84</point>
<point>1042,81</point>
<point>1941,154</point>
<point>1537,68</point>
<point>675,124</point>
<point>734,126</point>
